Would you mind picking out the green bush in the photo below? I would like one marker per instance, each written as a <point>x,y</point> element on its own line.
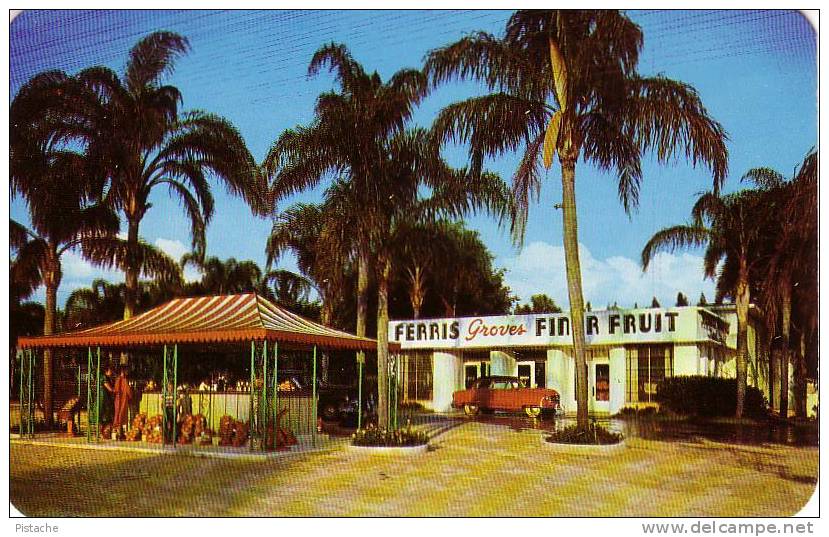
<point>708,397</point>
<point>593,435</point>
<point>373,437</point>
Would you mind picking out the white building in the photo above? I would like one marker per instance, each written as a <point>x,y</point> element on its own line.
<point>629,353</point>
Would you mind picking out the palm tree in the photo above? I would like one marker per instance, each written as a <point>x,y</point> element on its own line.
<point>288,288</point>
<point>133,129</point>
<point>411,161</point>
<point>228,276</point>
<point>55,182</point>
<point>728,226</point>
<point>566,82</point>
<point>319,236</point>
<point>787,262</point>
<point>102,301</point>
<point>345,138</point>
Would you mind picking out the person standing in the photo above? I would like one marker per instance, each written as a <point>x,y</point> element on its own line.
<point>108,394</point>
<point>123,396</point>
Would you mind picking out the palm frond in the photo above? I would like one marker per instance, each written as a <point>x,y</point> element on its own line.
<point>526,187</point>
<point>153,57</point>
<point>492,124</point>
<point>348,73</point>
<point>112,252</point>
<point>481,56</point>
<point>671,238</point>
<point>666,115</point>
<point>763,178</point>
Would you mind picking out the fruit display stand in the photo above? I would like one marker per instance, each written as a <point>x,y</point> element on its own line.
<point>297,405</point>
<point>273,417</point>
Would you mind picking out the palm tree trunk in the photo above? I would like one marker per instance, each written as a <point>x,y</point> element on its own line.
<point>131,269</point>
<point>785,336</point>
<point>571,256</point>
<point>362,290</point>
<point>742,297</point>
<point>800,379</point>
<point>772,354</point>
<point>325,312</point>
<point>417,291</point>
<point>383,342</point>
<point>51,280</point>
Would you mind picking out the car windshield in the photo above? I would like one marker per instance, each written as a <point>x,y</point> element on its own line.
<point>505,384</point>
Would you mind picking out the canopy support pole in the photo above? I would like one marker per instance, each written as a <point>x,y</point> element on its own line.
<point>20,354</point>
<point>263,407</point>
<point>26,357</point>
<point>98,396</point>
<point>175,392</point>
<point>164,391</point>
<point>251,390</point>
<point>275,387</point>
<point>314,400</point>
<point>88,394</point>
<point>361,358</point>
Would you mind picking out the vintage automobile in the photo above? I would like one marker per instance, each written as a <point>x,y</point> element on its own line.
<point>506,394</point>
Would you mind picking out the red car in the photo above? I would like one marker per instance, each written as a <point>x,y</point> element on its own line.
<point>505,394</point>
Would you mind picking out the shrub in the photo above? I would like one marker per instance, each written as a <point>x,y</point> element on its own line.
<point>708,397</point>
<point>593,435</point>
<point>373,437</point>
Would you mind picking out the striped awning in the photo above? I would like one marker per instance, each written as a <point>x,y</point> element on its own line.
<point>208,319</point>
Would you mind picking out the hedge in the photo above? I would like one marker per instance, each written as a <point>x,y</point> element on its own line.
<point>708,397</point>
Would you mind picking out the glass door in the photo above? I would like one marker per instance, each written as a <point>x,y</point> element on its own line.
<point>601,388</point>
<point>470,374</point>
<point>525,374</point>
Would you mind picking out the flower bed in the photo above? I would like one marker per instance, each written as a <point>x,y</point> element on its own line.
<point>373,437</point>
<point>595,435</point>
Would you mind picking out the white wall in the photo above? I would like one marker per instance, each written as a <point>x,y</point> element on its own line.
<point>557,377</point>
<point>686,361</point>
<point>502,363</point>
<point>447,371</point>
<point>617,379</point>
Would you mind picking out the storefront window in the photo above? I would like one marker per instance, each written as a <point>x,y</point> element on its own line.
<point>416,371</point>
<point>647,366</point>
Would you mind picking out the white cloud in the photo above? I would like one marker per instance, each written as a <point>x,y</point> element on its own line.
<point>540,268</point>
<point>76,268</point>
<point>176,249</point>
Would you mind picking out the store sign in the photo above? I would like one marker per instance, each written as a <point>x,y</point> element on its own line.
<point>712,327</point>
<point>601,327</point>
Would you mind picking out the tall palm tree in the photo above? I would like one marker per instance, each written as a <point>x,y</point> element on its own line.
<point>787,267</point>
<point>411,161</point>
<point>345,139</point>
<point>320,237</point>
<point>55,183</point>
<point>728,226</point>
<point>565,82</point>
<point>132,127</point>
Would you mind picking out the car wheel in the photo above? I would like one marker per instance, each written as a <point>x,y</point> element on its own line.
<point>470,410</point>
<point>533,411</point>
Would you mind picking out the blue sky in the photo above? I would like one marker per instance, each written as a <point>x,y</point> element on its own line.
<point>755,71</point>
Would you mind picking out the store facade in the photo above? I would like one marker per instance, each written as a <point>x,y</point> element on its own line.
<point>629,353</point>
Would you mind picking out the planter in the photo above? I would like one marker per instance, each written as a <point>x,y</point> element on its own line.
<point>390,450</point>
<point>583,448</point>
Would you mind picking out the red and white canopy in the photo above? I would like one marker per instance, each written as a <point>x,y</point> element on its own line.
<point>208,319</point>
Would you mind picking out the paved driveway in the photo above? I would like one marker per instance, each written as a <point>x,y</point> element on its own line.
<point>473,469</point>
